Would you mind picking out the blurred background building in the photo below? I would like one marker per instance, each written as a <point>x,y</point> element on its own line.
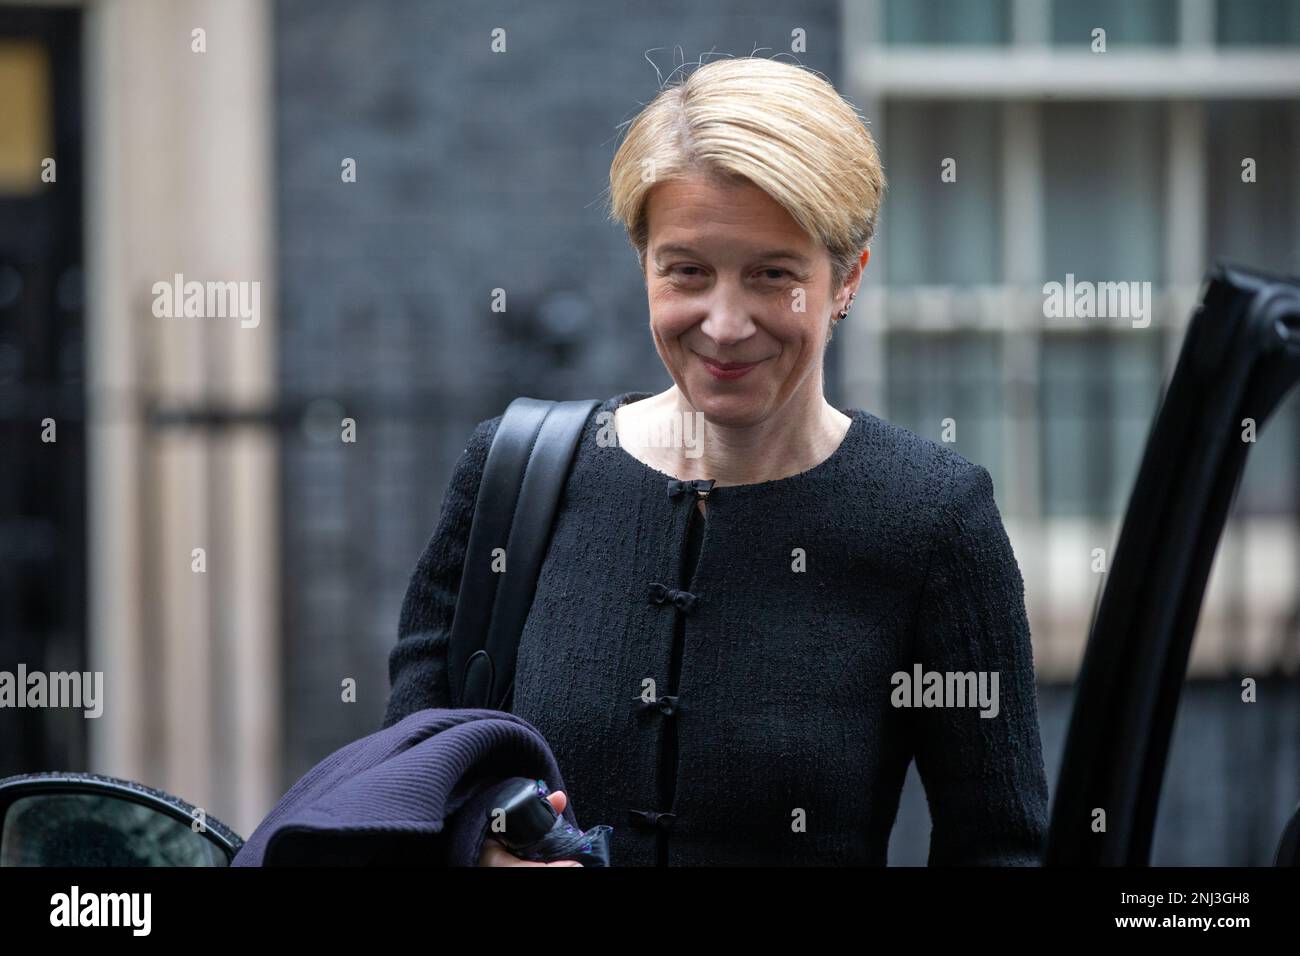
<point>210,138</point>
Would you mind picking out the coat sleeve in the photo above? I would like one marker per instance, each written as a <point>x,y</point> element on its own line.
<point>983,776</point>
<point>417,665</point>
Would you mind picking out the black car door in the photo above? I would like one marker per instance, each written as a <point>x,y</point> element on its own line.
<point>1240,356</point>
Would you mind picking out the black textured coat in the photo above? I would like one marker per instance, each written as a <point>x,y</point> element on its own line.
<point>782,745</point>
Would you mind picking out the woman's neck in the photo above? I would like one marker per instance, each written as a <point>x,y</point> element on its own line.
<point>802,435</point>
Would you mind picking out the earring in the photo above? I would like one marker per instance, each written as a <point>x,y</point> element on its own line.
<point>845,312</point>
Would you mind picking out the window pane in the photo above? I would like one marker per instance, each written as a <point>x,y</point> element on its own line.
<point>943,233</point>
<point>1270,484</point>
<point>1104,191</point>
<point>1258,22</point>
<point>957,375</point>
<point>1136,385</point>
<point>1125,21</point>
<point>1253,223</point>
<point>1099,393</point>
<point>26,137</point>
<point>947,21</point>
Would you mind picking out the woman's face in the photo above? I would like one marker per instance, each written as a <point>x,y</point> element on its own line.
<point>734,281</point>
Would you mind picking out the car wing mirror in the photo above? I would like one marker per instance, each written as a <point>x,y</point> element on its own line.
<point>88,820</point>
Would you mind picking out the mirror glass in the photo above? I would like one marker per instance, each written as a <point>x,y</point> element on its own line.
<point>91,829</point>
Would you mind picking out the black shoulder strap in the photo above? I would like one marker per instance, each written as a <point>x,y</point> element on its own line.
<point>527,467</point>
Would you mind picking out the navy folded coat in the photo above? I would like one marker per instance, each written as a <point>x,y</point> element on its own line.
<point>417,792</point>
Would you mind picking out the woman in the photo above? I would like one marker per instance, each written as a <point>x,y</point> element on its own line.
<point>731,630</point>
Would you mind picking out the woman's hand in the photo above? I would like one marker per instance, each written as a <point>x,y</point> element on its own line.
<point>495,854</point>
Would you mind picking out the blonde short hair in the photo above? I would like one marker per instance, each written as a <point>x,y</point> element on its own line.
<point>779,126</point>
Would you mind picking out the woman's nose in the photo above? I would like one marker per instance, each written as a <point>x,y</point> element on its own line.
<point>728,320</point>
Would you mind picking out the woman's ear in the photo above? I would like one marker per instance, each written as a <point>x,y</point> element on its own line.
<point>851,283</point>
<point>855,277</point>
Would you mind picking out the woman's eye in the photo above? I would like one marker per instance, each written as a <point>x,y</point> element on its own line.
<point>694,272</point>
<point>683,272</point>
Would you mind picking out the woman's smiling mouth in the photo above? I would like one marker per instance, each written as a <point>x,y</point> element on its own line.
<point>728,370</point>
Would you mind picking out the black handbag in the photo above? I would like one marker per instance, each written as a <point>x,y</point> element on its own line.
<point>526,470</point>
